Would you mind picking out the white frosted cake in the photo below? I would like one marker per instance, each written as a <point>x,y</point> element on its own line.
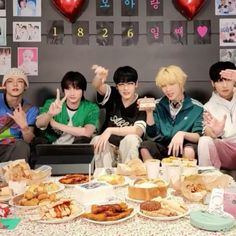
<point>93,192</point>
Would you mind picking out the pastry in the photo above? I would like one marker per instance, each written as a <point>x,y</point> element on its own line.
<point>145,189</point>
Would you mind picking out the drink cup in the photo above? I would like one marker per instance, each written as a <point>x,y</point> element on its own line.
<point>152,167</point>
<point>17,187</point>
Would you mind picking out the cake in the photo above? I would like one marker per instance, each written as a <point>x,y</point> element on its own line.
<point>146,189</point>
<point>93,192</point>
<point>145,103</point>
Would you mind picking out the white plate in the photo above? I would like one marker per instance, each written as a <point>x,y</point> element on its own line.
<point>134,200</point>
<point>12,203</point>
<point>111,222</point>
<point>62,220</point>
<point>116,185</point>
<point>5,198</point>
<point>164,217</point>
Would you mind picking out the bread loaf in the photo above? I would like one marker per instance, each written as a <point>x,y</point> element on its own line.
<point>145,189</point>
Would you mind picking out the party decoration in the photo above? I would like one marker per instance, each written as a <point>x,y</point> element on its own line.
<point>188,8</point>
<point>69,8</point>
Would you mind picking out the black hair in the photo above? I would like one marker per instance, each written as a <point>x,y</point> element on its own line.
<point>74,79</point>
<point>125,74</point>
<point>19,1</point>
<point>216,68</point>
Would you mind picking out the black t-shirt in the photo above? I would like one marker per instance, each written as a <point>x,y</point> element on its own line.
<point>119,116</point>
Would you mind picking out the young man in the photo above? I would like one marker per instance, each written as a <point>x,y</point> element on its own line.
<point>124,124</point>
<point>18,114</point>
<point>218,146</point>
<point>72,119</point>
<point>176,123</point>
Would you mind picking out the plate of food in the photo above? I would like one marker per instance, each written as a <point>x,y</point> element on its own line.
<point>49,187</point>
<point>114,180</point>
<point>5,194</point>
<point>107,214</point>
<point>61,211</point>
<point>74,179</point>
<point>163,209</point>
<point>32,200</point>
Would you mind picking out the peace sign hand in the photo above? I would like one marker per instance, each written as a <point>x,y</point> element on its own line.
<point>19,117</point>
<point>56,106</point>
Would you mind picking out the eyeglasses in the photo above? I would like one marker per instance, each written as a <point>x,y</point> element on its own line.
<point>124,85</point>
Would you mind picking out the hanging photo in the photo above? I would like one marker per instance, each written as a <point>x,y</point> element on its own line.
<point>26,31</point>
<point>202,32</point>
<point>227,32</point>
<point>28,60</point>
<point>3,29</point>
<point>225,7</point>
<point>104,7</point>
<point>178,32</point>
<point>27,8</point>
<point>228,54</point>
<point>55,32</point>
<point>105,31</point>
<point>130,33</point>
<point>3,7</point>
<point>129,7</point>
<point>154,7</point>
<point>5,59</point>
<point>154,32</point>
<point>80,33</point>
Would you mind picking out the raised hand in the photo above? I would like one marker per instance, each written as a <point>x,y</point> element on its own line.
<point>19,117</point>
<point>228,74</point>
<point>176,145</point>
<point>100,77</point>
<point>56,106</point>
<point>217,126</point>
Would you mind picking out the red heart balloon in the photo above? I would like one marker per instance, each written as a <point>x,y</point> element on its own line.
<point>188,8</point>
<point>69,8</point>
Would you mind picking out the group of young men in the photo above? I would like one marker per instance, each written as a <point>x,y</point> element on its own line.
<point>178,125</point>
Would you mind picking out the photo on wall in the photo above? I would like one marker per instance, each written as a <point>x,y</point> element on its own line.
<point>227,32</point>
<point>3,7</point>
<point>225,7</point>
<point>27,8</point>
<point>5,59</point>
<point>27,60</point>
<point>228,54</point>
<point>26,31</point>
<point>3,29</point>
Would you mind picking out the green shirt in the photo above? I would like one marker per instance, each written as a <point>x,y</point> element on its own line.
<point>87,113</point>
<point>189,119</point>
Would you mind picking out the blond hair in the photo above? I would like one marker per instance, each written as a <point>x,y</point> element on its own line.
<point>170,75</point>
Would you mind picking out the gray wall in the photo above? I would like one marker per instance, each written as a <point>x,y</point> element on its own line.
<point>55,60</point>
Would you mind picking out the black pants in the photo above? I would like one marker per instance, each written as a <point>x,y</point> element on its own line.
<point>18,150</point>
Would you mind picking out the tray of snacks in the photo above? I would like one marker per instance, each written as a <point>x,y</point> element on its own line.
<point>31,200</point>
<point>108,213</point>
<point>74,179</point>
<point>163,209</point>
<point>61,211</point>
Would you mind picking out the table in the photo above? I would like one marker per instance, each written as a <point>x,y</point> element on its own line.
<point>137,225</point>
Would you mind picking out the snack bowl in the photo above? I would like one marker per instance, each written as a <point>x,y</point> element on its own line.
<point>41,174</point>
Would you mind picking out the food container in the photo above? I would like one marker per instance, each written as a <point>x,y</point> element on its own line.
<point>40,175</point>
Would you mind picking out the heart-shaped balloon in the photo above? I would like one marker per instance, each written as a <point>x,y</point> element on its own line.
<point>188,8</point>
<point>69,8</point>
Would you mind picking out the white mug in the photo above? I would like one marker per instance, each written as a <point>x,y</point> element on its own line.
<point>152,167</point>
